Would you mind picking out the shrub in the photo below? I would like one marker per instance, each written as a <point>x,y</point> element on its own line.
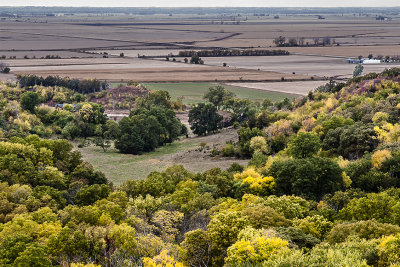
<point>228,150</point>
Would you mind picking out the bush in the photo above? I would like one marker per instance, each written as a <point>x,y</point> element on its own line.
<point>389,251</point>
<point>6,70</point>
<point>228,150</point>
<point>258,160</point>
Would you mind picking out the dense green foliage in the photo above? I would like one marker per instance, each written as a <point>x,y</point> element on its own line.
<point>218,95</point>
<point>151,124</point>
<point>307,205</point>
<point>81,86</point>
<point>204,119</point>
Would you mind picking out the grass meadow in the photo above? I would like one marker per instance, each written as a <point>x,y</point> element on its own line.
<point>120,167</point>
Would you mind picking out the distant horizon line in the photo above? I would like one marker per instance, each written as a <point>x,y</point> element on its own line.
<point>210,6</point>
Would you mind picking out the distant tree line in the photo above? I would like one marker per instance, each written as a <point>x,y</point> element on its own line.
<point>232,53</point>
<point>84,86</point>
<point>282,41</point>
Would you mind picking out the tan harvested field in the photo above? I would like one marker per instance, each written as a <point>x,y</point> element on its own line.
<point>38,54</point>
<point>303,65</point>
<point>80,40</point>
<point>136,32</point>
<point>348,51</point>
<point>205,74</point>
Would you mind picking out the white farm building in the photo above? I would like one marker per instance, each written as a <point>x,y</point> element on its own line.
<point>371,61</point>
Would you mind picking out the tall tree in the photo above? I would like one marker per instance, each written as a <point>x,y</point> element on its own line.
<point>204,119</point>
<point>29,100</point>
<point>218,95</point>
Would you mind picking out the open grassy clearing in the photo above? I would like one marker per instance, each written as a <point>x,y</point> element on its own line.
<point>194,92</point>
<point>121,167</point>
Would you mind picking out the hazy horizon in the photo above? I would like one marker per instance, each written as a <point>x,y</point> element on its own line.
<point>203,3</point>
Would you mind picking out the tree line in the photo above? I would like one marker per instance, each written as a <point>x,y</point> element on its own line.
<point>232,53</point>
<point>84,86</point>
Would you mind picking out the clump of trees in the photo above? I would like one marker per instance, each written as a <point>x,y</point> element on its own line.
<point>4,68</point>
<point>152,123</point>
<point>204,119</point>
<point>84,86</point>
<point>196,59</point>
<point>218,95</point>
<point>282,41</point>
<point>232,53</point>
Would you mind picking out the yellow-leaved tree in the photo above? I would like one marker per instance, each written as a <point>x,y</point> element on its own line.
<point>255,183</point>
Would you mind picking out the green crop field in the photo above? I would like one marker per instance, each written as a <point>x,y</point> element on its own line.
<point>193,92</point>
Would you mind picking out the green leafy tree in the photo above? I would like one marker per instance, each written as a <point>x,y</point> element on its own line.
<point>223,230</point>
<point>195,59</point>
<point>382,207</point>
<point>197,248</point>
<point>315,225</point>
<point>85,173</point>
<point>357,139</point>
<point>261,216</point>
<point>358,70</point>
<point>29,100</point>
<point>71,131</point>
<point>34,255</point>
<point>138,133</point>
<point>370,229</point>
<point>243,110</point>
<point>157,98</point>
<point>90,194</point>
<point>105,134</point>
<point>389,251</point>
<point>218,95</point>
<point>309,177</point>
<point>304,145</point>
<point>204,119</point>
<point>297,238</point>
<point>245,136</point>
<point>351,141</point>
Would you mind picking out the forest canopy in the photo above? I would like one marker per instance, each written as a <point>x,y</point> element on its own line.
<point>321,188</point>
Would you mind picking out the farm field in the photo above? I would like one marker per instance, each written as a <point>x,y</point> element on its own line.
<point>142,70</point>
<point>59,33</point>
<point>121,167</point>
<point>194,92</point>
<point>185,74</point>
<point>348,50</point>
<point>81,41</point>
<point>298,88</point>
<point>299,64</point>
